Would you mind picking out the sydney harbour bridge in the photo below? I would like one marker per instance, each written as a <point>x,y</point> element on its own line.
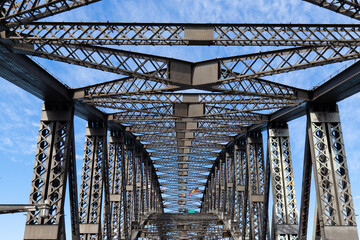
<point>169,136</point>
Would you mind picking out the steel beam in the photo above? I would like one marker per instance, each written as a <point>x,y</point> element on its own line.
<point>237,68</point>
<point>334,200</point>
<point>256,184</point>
<point>186,34</point>
<point>73,190</point>
<point>348,8</point>
<point>339,87</point>
<point>305,191</point>
<point>116,185</point>
<point>92,180</point>
<point>50,172</point>
<point>285,215</point>
<point>136,86</point>
<point>15,12</point>
<point>122,62</point>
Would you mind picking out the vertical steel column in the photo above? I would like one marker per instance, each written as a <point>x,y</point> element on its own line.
<point>256,183</point>
<point>217,189</point>
<point>147,187</point>
<point>129,183</point>
<point>240,181</point>
<point>138,158</point>
<point>152,190</point>
<point>211,191</point>
<point>305,191</point>
<point>116,181</point>
<point>73,190</point>
<point>222,185</point>
<point>93,177</point>
<point>285,215</point>
<point>334,199</point>
<point>133,171</point>
<point>230,183</point>
<point>50,171</point>
<point>124,197</point>
<point>142,180</point>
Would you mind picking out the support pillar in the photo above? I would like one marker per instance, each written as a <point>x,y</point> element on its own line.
<point>116,185</point>
<point>229,184</point>
<point>52,161</point>
<point>285,215</point>
<point>305,191</point>
<point>130,181</point>
<point>92,181</point>
<point>335,207</point>
<point>240,180</point>
<point>256,184</point>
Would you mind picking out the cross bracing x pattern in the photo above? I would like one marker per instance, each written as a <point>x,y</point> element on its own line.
<point>180,125</point>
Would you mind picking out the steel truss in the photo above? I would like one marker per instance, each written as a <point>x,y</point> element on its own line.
<point>335,211</point>
<point>349,8</point>
<point>177,126</point>
<point>15,12</point>
<point>186,34</point>
<point>54,162</point>
<point>92,181</point>
<point>183,226</point>
<point>236,188</point>
<point>285,216</point>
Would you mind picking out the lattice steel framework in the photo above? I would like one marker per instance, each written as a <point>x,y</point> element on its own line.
<point>184,226</point>
<point>285,216</point>
<point>92,181</point>
<point>334,198</point>
<point>53,157</point>
<point>177,126</point>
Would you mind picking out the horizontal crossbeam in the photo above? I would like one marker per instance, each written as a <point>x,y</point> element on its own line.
<point>350,8</point>
<point>189,34</point>
<point>15,12</point>
<point>242,67</point>
<point>136,65</point>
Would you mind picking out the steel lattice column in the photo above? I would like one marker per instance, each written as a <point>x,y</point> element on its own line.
<point>229,184</point>
<point>129,183</point>
<point>116,186</point>
<point>50,172</point>
<point>240,180</point>
<point>92,181</point>
<point>256,184</point>
<point>334,200</point>
<point>285,215</point>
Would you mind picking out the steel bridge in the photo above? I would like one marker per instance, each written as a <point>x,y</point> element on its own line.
<point>168,126</point>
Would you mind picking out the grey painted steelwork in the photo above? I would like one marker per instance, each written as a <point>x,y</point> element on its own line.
<point>15,12</point>
<point>50,171</point>
<point>134,190</point>
<point>335,211</point>
<point>349,8</point>
<point>14,208</point>
<point>285,215</point>
<point>185,34</point>
<point>184,226</point>
<point>236,188</point>
<point>165,140</point>
<point>92,181</point>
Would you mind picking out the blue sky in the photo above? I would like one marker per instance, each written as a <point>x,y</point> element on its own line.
<point>20,115</point>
